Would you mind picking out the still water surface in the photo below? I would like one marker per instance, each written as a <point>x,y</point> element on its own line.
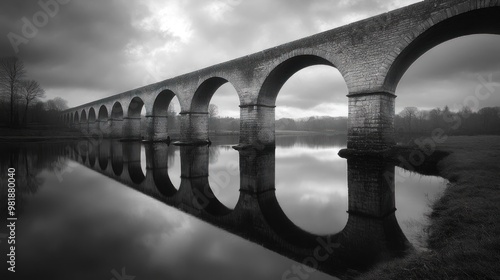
<point>76,222</point>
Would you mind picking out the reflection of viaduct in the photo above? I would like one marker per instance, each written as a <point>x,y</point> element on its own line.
<point>372,232</point>
<point>371,55</point>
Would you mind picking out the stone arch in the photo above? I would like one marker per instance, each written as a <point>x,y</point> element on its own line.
<point>76,119</point>
<point>162,101</point>
<point>135,107</point>
<point>103,114</point>
<point>83,118</point>
<point>116,120</point>
<point>282,72</point>
<point>157,122</point>
<point>117,111</point>
<point>465,19</point>
<point>205,92</point>
<point>92,115</point>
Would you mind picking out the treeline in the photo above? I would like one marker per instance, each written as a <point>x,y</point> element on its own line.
<point>337,124</point>
<point>21,98</point>
<point>318,124</point>
<point>412,121</point>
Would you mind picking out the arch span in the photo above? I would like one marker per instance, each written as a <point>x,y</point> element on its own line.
<point>132,120</point>
<point>117,111</point>
<point>205,92</point>
<point>157,123</point>
<point>83,118</point>
<point>481,21</point>
<point>103,114</point>
<point>116,120</point>
<point>76,119</point>
<point>92,115</point>
<point>195,123</point>
<point>281,73</point>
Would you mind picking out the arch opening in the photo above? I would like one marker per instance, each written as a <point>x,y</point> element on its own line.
<point>92,115</point>
<point>215,109</point>
<point>481,21</point>
<point>117,111</point>
<point>204,93</point>
<point>103,114</point>
<point>278,76</point>
<point>83,119</point>
<point>309,93</point>
<point>135,108</point>
<point>451,89</point>
<point>165,122</point>
<point>76,118</point>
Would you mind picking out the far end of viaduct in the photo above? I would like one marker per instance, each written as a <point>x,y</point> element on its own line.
<point>372,55</point>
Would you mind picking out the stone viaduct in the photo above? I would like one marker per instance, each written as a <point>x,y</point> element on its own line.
<point>372,232</point>
<point>372,55</point>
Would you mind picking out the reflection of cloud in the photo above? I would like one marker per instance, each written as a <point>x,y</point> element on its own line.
<point>323,154</point>
<point>89,225</point>
<point>414,198</point>
<point>314,198</point>
<point>311,187</point>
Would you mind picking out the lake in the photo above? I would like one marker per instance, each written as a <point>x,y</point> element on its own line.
<point>102,209</point>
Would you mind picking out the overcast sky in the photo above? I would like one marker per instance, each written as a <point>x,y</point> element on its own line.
<point>90,49</point>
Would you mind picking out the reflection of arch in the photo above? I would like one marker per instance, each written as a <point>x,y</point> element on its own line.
<point>281,224</point>
<point>204,93</point>
<point>92,115</point>
<point>206,199</point>
<point>82,149</point>
<point>104,148</point>
<point>117,158</point>
<point>83,119</point>
<point>132,159</point>
<point>103,113</point>
<point>91,154</point>
<point>163,182</point>
<point>117,111</point>
<point>279,75</point>
<point>157,155</point>
<point>483,20</point>
<point>135,108</point>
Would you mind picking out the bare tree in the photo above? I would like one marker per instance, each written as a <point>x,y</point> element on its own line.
<point>30,91</point>
<point>409,114</point>
<point>57,104</point>
<point>11,72</point>
<point>213,113</point>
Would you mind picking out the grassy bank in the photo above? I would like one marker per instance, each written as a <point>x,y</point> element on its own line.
<point>464,233</point>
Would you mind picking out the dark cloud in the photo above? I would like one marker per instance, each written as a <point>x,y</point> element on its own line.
<point>93,49</point>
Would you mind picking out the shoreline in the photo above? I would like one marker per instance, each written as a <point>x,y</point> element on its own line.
<point>464,228</point>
